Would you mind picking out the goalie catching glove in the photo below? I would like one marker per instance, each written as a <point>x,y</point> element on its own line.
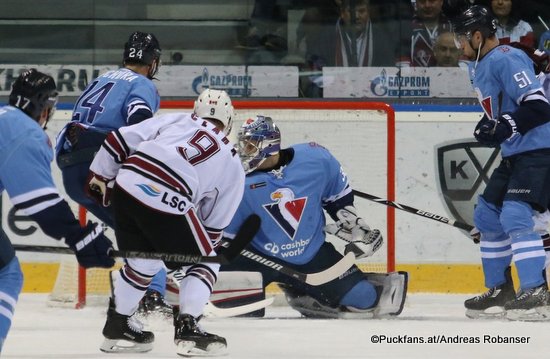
<point>362,241</point>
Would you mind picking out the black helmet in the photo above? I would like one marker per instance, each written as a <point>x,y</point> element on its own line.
<point>32,92</point>
<point>453,8</point>
<point>143,48</point>
<point>475,18</point>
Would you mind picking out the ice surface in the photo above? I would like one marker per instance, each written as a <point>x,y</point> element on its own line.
<point>39,331</point>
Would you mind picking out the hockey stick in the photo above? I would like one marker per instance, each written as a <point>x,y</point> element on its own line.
<point>314,279</point>
<point>245,234</point>
<point>419,212</point>
<point>212,311</point>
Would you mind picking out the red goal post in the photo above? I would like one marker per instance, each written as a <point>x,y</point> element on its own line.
<point>351,130</point>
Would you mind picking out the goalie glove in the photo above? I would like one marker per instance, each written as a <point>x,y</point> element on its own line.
<point>362,241</point>
<point>99,188</point>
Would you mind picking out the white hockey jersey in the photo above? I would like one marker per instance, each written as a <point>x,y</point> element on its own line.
<point>174,162</point>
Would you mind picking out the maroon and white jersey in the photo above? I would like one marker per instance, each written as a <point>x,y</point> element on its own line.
<point>174,162</point>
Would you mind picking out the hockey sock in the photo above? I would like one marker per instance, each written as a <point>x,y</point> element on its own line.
<point>196,287</point>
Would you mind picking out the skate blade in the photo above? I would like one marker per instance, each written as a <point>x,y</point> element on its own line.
<point>124,346</point>
<point>188,349</point>
<point>489,313</point>
<point>538,314</point>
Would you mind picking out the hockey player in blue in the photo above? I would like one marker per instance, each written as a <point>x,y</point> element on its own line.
<point>25,157</point>
<point>289,188</point>
<point>517,118</point>
<point>115,99</point>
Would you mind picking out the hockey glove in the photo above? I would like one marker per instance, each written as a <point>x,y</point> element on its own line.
<point>91,247</point>
<point>99,188</point>
<point>475,235</point>
<point>493,132</point>
<point>361,239</point>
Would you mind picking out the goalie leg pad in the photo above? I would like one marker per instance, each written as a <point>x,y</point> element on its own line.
<point>391,286</point>
<point>393,292</point>
<point>310,307</point>
<point>233,289</point>
<point>306,305</point>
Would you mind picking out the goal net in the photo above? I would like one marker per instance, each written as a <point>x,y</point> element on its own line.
<point>361,135</point>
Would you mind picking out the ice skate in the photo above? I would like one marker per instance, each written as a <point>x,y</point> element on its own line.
<point>125,334</point>
<point>154,303</point>
<point>530,305</point>
<point>491,303</point>
<point>191,340</point>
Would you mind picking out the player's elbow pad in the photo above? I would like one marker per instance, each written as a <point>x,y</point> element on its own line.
<point>531,114</point>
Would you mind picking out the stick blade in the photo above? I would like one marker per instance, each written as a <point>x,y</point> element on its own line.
<point>333,272</point>
<point>244,236</point>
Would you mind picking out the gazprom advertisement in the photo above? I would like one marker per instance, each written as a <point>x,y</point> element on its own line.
<point>176,81</point>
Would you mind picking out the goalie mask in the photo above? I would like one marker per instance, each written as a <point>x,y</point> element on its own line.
<point>215,104</point>
<point>258,139</point>
<point>32,92</point>
<point>143,48</point>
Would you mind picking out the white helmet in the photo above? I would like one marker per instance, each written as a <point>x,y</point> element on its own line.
<point>215,104</point>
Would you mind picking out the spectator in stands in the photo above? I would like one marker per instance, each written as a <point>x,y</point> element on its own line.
<point>445,51</point>
<point>318,16</point>
<point>393,18</point>
<point>355,41</point>
<point>266,38</point>
<point>428,21</point>
<point>510,27</point>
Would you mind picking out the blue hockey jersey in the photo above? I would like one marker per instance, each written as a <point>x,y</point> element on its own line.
<point>502,79</point>
<point>109,101</point>
<point>25,157</point>
<point>290,203</point>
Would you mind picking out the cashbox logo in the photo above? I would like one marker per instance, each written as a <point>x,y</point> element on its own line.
<point>400,86</point>
<point>233,84</point>
<point>463,167</point>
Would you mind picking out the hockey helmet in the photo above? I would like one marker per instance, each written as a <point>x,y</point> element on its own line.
<point>32,92</point>
<point>143,48</point>
<point>215,104</point>
<point>475,18</point>
<point>453,8</point>
<point>258,139</point>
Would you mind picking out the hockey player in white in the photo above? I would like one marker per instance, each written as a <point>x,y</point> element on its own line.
<point>176,181</point>
<point>25,157</point>
<point>290,189</point>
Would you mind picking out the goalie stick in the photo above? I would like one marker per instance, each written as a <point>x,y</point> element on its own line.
<point>314,279</point>
<point>418,212</point>
<point>245,234</point>
<point>213,311</point>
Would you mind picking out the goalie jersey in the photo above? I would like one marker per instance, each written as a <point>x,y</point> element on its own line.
<point>292,199</point>
<point>173,162</point>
